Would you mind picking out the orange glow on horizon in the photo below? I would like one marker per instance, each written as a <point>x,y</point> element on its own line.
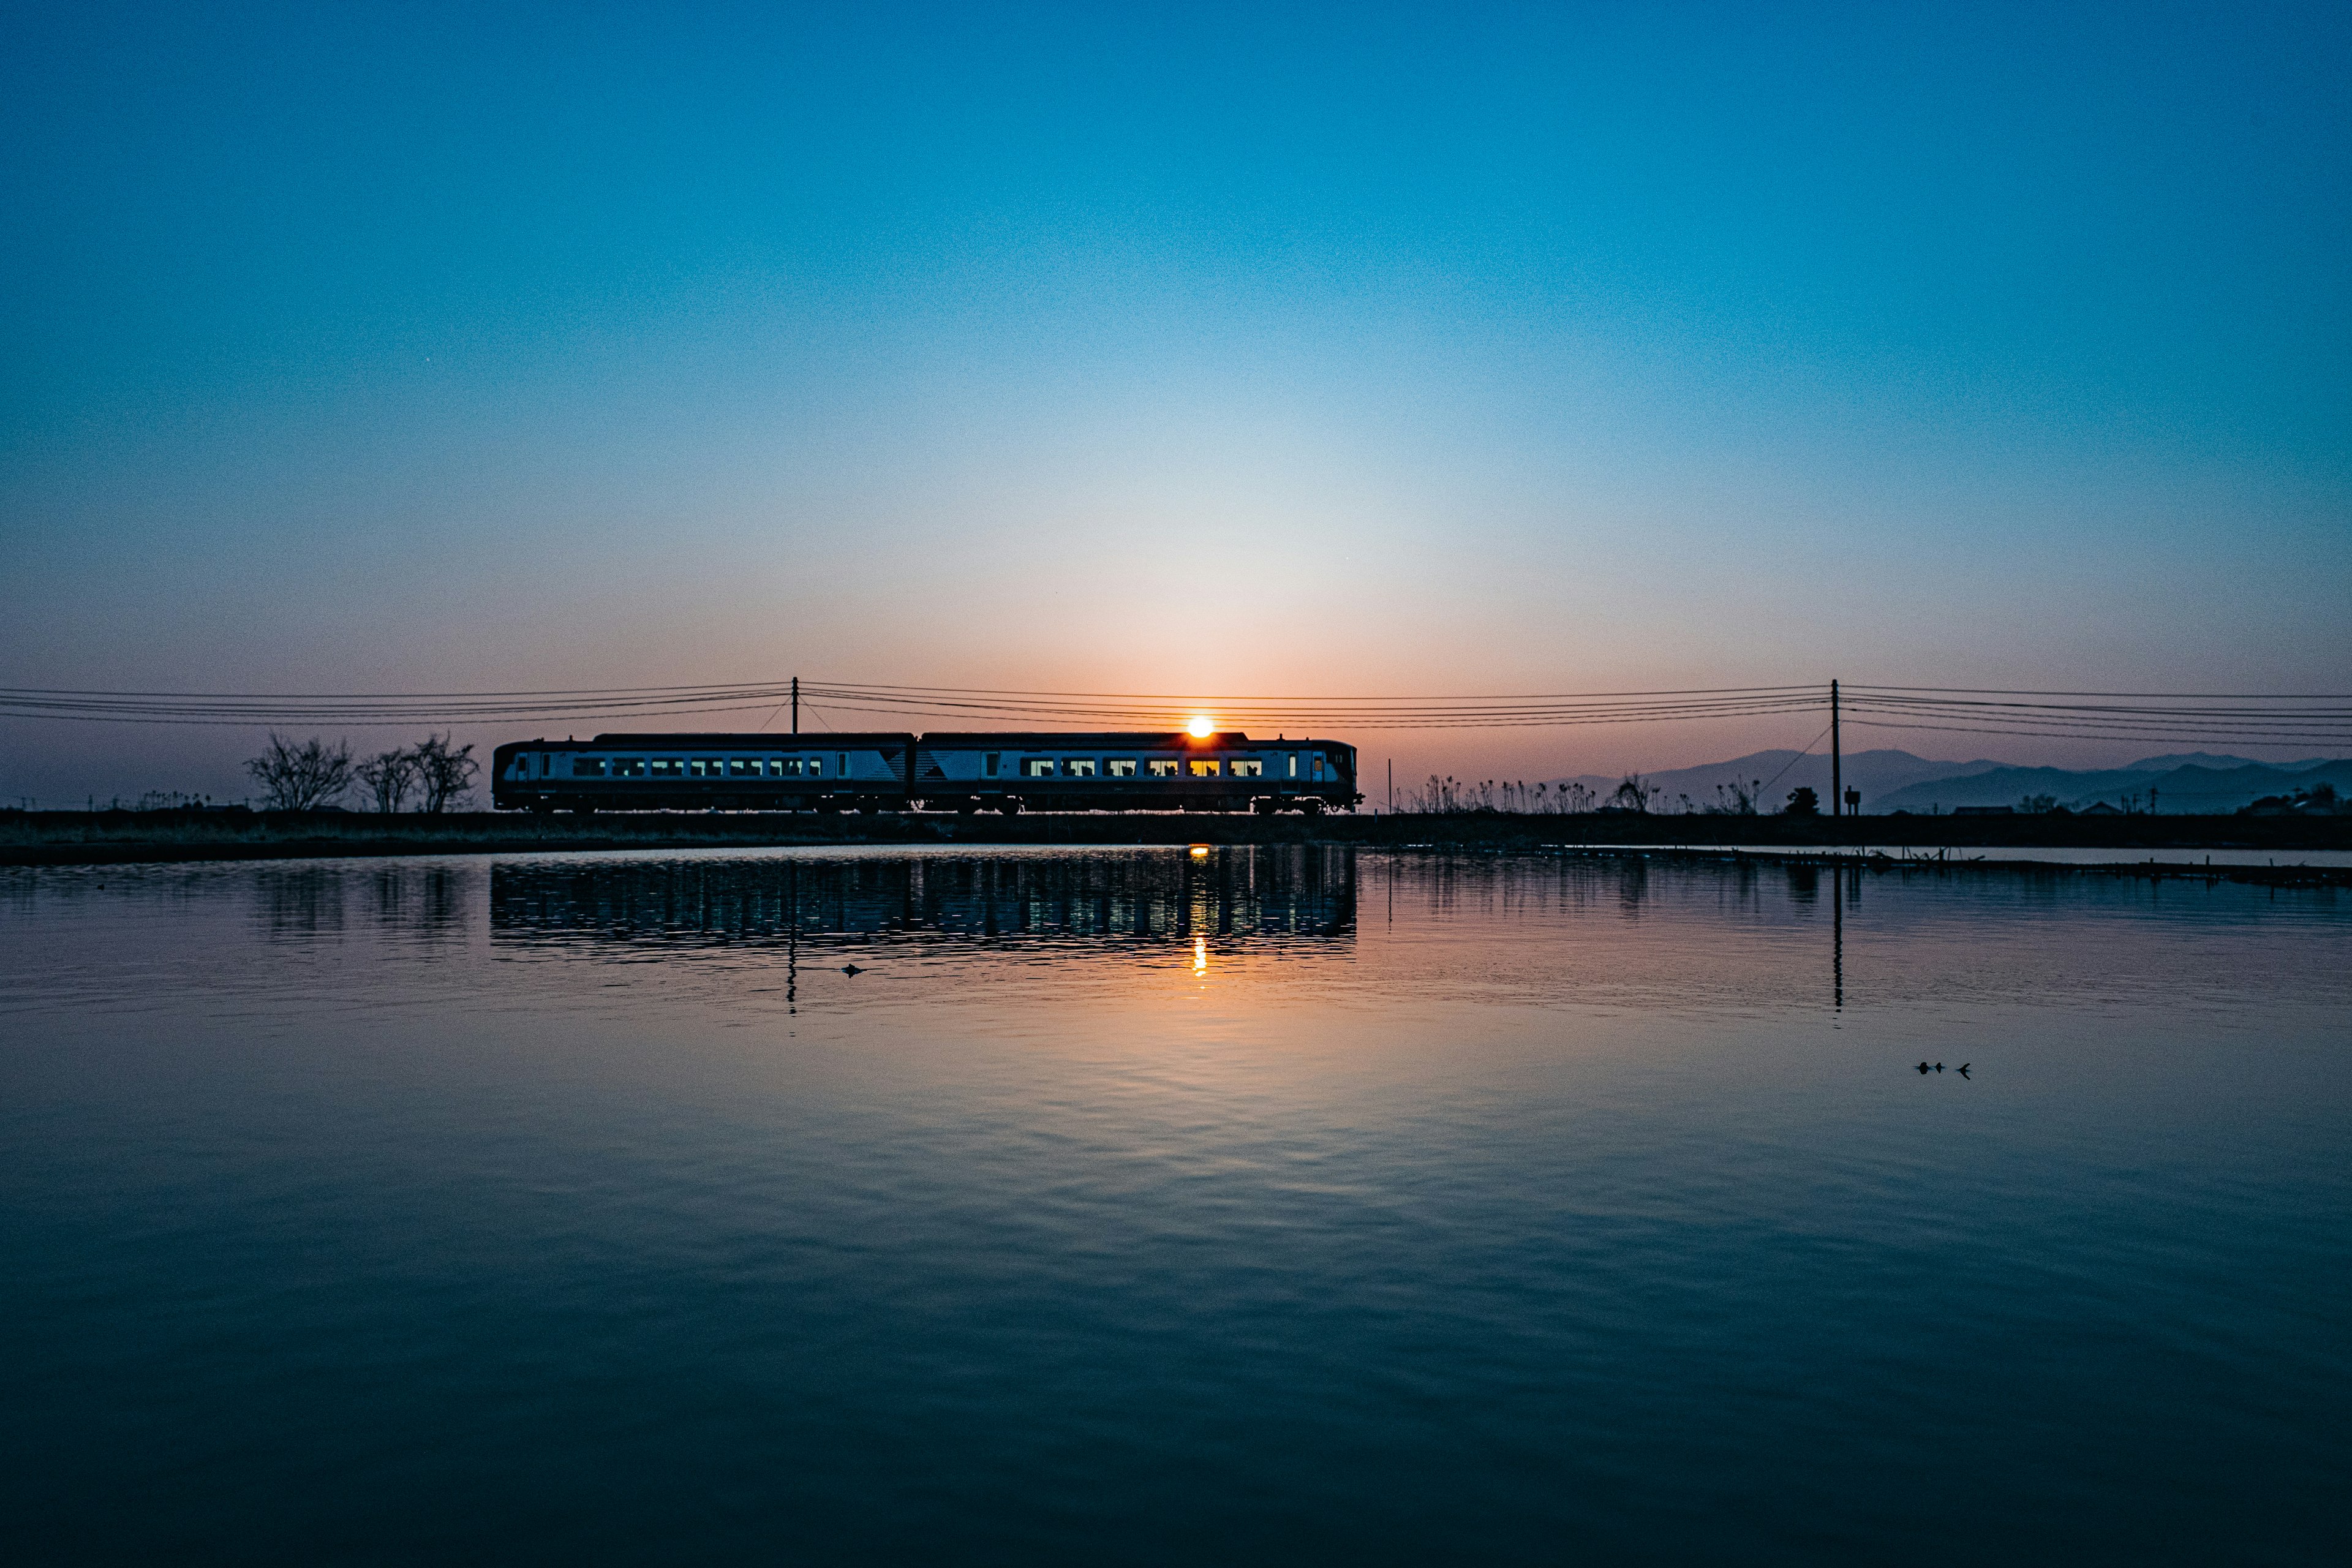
<point>1202,727</point>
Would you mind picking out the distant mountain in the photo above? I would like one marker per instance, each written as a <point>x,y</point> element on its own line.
<point>2193,781</point>
<point>2211,785</point>
<point>1872,773</point>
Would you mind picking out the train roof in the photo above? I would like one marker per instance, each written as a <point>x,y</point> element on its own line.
<point>764,739</point>
<point>1132,740</point>
<point>1001,740</point>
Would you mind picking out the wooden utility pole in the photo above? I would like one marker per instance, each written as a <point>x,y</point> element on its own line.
<point>796,706</point>
<point>1837,762</point>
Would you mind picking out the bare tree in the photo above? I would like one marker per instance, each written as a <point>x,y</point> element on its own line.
<point>444,775</point>
<point>388,776</point>
<point>303,777</point>
<point>1633,795</point>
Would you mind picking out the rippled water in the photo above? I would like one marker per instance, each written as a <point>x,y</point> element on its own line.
<point>1151,1207</point>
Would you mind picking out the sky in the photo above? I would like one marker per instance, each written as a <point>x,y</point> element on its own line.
<point>1337,350</point>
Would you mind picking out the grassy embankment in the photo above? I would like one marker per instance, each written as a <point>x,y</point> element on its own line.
<point>30,838</point>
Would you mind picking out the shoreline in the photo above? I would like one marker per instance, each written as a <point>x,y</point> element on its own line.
<point>1928,844</point>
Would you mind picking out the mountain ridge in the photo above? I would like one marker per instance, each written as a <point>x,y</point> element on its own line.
<point>1891,779</point>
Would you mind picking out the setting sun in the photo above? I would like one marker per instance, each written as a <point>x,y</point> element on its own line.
<point>1202,727</point>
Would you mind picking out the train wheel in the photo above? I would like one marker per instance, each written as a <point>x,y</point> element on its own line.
<point>1009,807</point>
<point>1311,807</point>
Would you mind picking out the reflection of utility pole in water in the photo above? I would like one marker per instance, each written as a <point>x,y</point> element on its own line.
<point>793,933</point>
<point>1837,938</point>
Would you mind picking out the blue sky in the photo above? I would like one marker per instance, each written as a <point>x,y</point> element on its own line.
<point>1259,350</point>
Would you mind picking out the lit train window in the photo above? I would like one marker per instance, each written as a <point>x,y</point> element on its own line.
<point>1079,767</point>
<point>1164,767</point>
<point>1120,767</point>
<point>1205,767</point>
<point>783,767</point>
<point>743,767</point>
<point>1294,764</point>
<point>707,768</point>
<point>668,768</point>
<point>816,767</point>
<point>1247,768</point>
<point>1037,767</point>
<point>587,767</point>
<point>629,767</point>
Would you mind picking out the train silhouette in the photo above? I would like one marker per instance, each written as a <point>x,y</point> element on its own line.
<point>1007,771</point>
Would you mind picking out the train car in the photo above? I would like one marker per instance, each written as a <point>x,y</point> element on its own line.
<point>1131,771</point>
<point>705,773</point>
<point>977,771</point>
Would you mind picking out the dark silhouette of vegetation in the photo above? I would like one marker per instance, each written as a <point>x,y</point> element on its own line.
<point>1803,802</point>
<point>1633,795</point>
<point>303,777</point>
<point>388,776</point>
<point>443,774</point>
<point>1735,799</point>
<point>1515,796</point>
<point>2037,805</point>
<point>312,775</point>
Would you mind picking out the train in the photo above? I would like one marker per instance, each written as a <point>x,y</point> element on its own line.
<point>1007,771</point>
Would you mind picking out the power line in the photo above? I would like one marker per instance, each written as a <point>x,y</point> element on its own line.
<point>2237,718</point>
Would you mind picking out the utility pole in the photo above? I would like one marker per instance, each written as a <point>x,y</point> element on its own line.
<point>797,706</point>
<point>1837,762</point>
<point>1391,786</point>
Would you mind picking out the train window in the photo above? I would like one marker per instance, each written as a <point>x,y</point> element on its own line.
<point>1120,767</point>
<point>743,767</point>
<point>1294,764</point>
<point>707,768</point>
<point>989,764</point>
<point>1247,768</point>
<point>629,767</point>
<point>587,767</point>
<point>1079,767</point>
<point>816,767</point>
<point>1037,767</point>
<point>783,767</point>
<point>841,764</point>
<point>667,768</point>
<point>1205,767</point>
<point>1164,767</point>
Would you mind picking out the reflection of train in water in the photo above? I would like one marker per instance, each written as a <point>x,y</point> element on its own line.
<point>1293,898</point>
<point>1006,772</point>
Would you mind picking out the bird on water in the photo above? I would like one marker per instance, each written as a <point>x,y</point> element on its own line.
<point>851,968</point>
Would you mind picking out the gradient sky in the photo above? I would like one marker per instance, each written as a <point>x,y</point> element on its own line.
<point>1337,350</point>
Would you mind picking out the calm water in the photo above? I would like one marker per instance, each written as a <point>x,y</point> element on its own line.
<point>1300,1206</point>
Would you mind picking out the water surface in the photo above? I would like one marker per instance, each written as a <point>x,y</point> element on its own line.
<point>1312,1204</point>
